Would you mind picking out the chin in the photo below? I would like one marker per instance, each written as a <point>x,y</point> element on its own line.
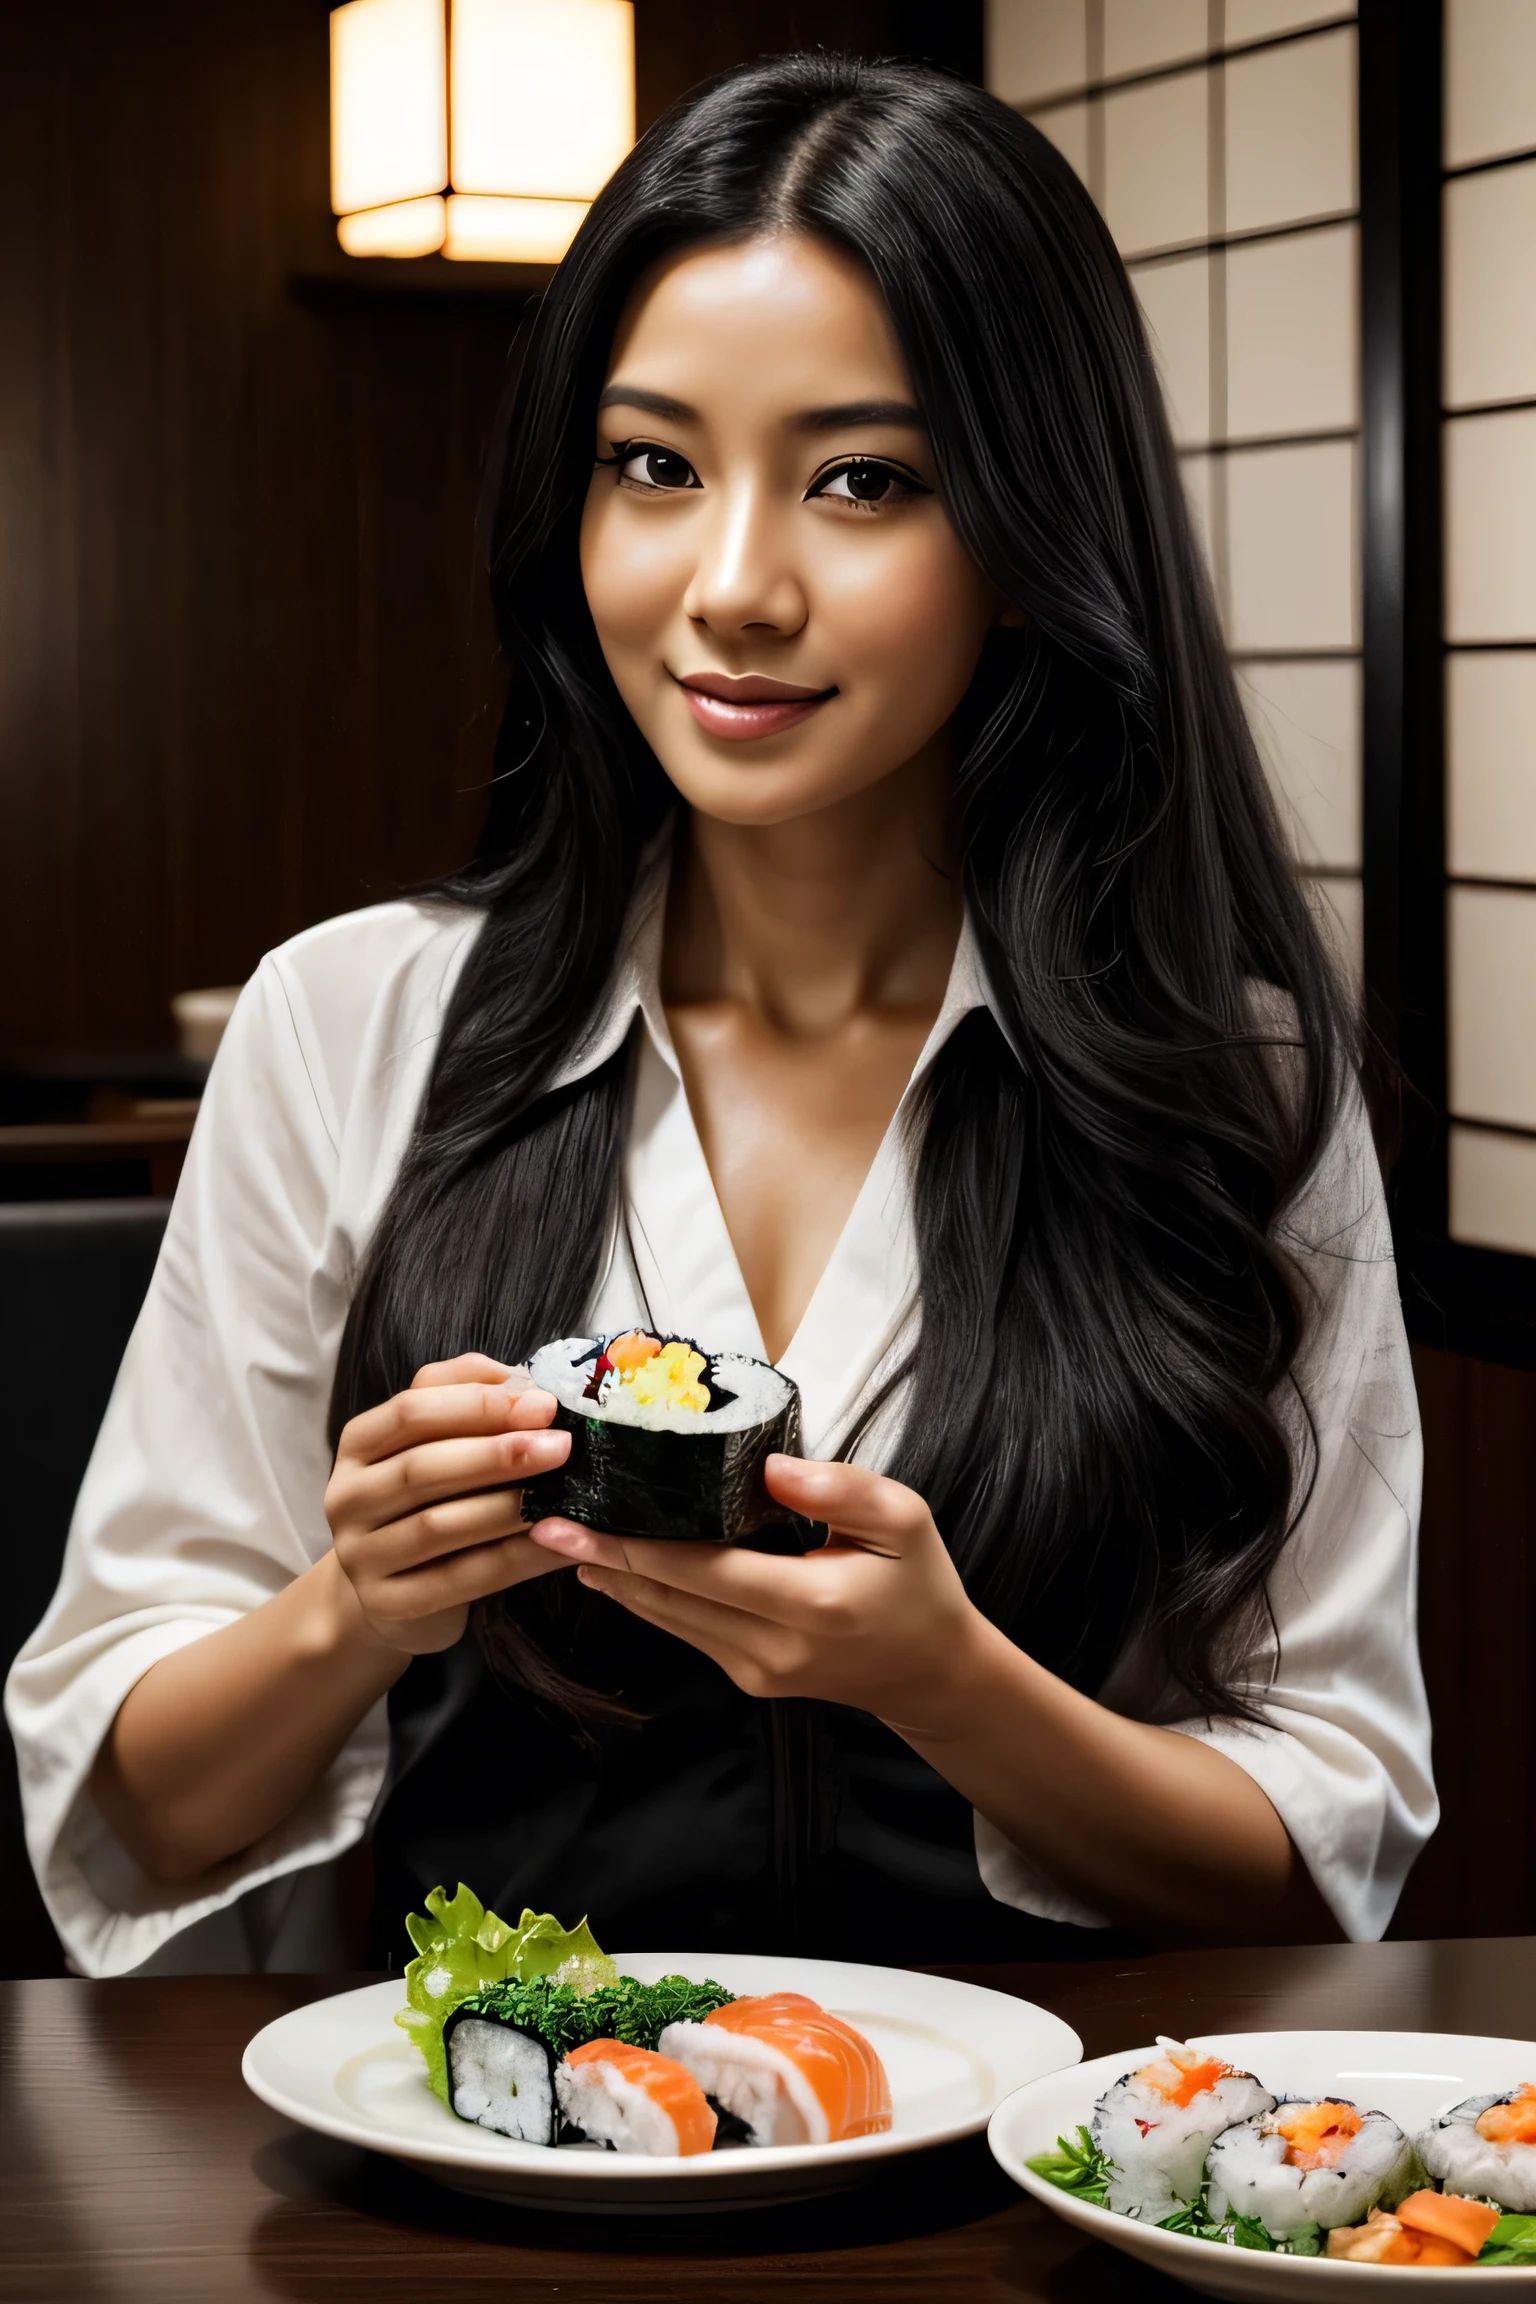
<point>763,796</point>
<point>751,787</point>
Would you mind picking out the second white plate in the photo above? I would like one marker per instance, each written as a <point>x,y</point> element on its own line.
<point>1411,2075</point>
<point>952,2051</point>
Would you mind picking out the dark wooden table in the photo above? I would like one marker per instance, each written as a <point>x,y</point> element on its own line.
<point>136,2166</point>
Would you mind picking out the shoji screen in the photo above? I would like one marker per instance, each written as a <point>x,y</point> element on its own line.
<point>1218,138</point>
<point>1489,386</point>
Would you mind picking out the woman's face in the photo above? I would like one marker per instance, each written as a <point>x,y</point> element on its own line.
<point>781,599</point>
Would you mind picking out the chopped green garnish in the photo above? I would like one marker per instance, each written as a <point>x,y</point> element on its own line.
<point>1080,2168</point>
<point>564,2019</point>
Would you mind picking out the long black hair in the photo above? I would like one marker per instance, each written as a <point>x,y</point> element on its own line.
<point>1106,1315</point>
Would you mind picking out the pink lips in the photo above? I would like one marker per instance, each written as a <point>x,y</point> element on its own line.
<point>749,706</point>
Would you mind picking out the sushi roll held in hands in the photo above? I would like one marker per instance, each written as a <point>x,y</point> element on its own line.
<point>668,1440</point>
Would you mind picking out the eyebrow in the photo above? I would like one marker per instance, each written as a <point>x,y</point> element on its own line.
<point>847,415</point>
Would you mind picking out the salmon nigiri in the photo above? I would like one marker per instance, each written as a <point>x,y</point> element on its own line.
<point>634,2100</point>
<point>792,2073</point>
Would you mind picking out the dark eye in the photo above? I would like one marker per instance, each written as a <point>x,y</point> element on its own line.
<point>863,481</point>
<point>643,467</point>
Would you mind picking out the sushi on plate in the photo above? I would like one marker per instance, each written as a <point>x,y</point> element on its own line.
<point>1157,2124</point>
<point>501,2075</point>
<point>785,2070</point>
<point>1487,2147</point>
<point>634,2100</point>
<point>668,1440</point>
<point>1306,2166</point>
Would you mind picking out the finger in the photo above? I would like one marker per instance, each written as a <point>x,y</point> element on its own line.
<point>371,1495</point>
<point>467,1368</point>
<point>691,1617</point>
<point>441,1412</point>
<point>453,1526</point>
<point>455,1582</point>
<point>862,1507</point>
<point>792,1592</point>
<point>759,1657</point>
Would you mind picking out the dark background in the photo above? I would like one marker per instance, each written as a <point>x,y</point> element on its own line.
<point>245,672</point>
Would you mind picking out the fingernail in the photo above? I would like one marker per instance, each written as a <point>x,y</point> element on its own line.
<point>551,1533</point>
<point>591,1576</point>
<point>546,1447</point>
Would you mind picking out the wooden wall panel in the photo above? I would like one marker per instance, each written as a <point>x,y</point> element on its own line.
<point>1477,1630</point>
<point>236,577</point>
<point>244,657</point>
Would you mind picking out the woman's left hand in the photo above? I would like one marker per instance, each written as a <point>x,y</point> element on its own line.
<point>877,1619</point>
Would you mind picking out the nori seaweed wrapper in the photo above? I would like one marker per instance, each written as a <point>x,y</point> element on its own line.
<point>703,1487</point>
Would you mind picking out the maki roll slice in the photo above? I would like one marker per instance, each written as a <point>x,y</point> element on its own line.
<point>1304,2165</point>
<point>500,2075</point>
<point>668,1440</point>
<point>1486,2147</point>
<point>1158,2123</point>
<point>634,2100</point>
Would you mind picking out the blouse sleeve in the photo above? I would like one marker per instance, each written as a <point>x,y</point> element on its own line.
<point>1343,1751</point>
<point>203,1497</point>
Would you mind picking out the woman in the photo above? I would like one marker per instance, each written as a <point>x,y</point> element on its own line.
<point>880,956</point>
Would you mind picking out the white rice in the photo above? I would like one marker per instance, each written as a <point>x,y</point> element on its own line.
<point>751,2079</point>
<point>1249,2176</point>
<point>499,2078</point>
<point>1159,2148</point>
<point>612,2109</point>
<point>565,1369</point>
<point>1462,2161</point>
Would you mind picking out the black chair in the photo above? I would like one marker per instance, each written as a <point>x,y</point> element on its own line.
<point>72,1278</point>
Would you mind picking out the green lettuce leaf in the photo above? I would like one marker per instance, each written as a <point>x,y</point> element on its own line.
<point>461,1948</point>
<point>1512,2241</point>
<point>1079,2168</point>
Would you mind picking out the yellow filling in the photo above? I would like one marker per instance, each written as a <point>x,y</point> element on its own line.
<point>669,1379</point>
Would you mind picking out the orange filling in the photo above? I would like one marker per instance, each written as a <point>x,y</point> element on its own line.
<point>632,1351</point>
<point>1465,2223</point>
<point>1511,2123</point>
<point>1316,2134</point>
<point>1401,2240</point>
<point>1182,2075</point>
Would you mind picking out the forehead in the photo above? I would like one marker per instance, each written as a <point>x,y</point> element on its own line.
<point>779,319</point>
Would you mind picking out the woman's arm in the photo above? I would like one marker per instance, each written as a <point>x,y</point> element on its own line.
<point>220,1741</point>
<point>1151,1828</point>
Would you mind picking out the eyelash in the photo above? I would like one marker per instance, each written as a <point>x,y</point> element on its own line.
<point>625,452</point>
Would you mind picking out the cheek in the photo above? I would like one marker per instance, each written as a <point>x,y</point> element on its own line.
<point>910,619</point>
<point>632,572</point>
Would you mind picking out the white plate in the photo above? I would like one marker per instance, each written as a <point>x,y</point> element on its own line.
<point>951,2050</point>
<point>1411,2075</point>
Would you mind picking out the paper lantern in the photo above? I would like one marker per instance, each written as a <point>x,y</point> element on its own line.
<point>484,128</point>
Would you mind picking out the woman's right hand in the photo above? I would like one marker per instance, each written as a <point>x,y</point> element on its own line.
<point>425,1504</point>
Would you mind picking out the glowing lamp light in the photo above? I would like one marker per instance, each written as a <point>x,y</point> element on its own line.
<point>484,128</point>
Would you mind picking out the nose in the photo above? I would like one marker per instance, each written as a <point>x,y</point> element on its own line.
<point>745,579</point>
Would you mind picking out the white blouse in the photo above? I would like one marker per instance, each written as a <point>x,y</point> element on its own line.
<point>204,1494</point>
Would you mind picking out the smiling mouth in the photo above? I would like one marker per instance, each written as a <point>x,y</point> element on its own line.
<point>750,706</point>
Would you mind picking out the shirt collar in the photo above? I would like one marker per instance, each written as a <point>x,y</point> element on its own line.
<point>636,980</point>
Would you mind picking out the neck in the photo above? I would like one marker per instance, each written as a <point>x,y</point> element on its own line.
<point>856,906</point>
